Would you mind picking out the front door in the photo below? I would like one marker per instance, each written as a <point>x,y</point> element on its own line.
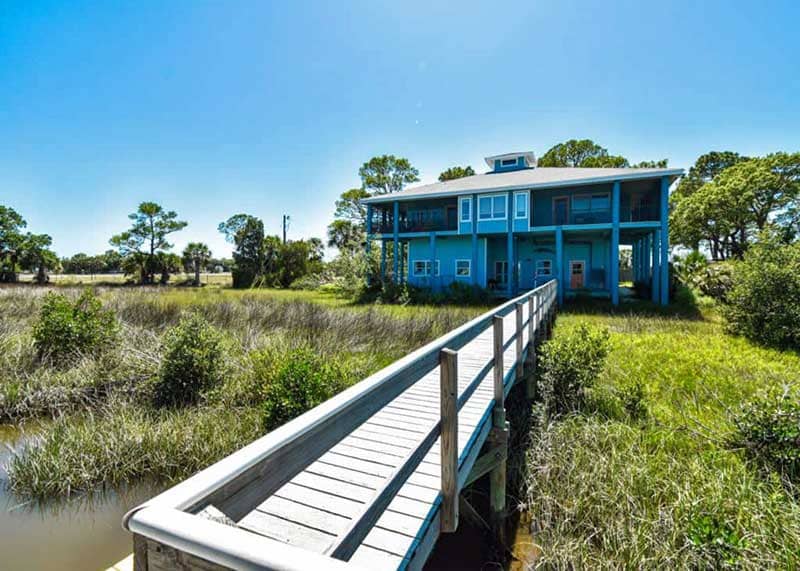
<point>576,272</point>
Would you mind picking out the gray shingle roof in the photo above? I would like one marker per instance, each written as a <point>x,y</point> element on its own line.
<point>540,177</point>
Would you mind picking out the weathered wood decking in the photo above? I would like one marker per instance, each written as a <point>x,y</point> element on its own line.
<point>330,500</point>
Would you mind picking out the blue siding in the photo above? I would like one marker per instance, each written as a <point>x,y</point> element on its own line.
<point>492,226</point>
<point>448,250</point>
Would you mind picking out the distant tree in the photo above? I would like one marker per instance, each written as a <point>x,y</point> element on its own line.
<point>316,254</point>
<point>456,172</point>
<point>344,235</point>
<point>196,255</point>
<point>147,239</point>
<point>167,263</point>
<point>705,168</point>
<point>112,261</point>
<point>662,164</point>
<point>387,174</point>
<point>36,256</point>
<point>350,206</point>
<point>11,239</point>
<point>586,153</point>
<point>740,202</point>
<point>246,233</point>
<point>572,153</point>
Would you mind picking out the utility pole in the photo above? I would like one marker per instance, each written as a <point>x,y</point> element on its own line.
<point>285,226</point>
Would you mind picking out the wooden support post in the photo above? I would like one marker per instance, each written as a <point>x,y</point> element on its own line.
<point>499,436</point>
<point>519,371</point>
<point>448,376</point>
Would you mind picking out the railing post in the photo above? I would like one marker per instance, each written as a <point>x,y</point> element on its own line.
<point>519,371</point>
<point>533,332</point>
<point>448,376</point>
<point>498,436</point>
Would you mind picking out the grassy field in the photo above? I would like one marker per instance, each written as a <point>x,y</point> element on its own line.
<point>606,490</point>
<point>221,279</point>
<point>106,429</point>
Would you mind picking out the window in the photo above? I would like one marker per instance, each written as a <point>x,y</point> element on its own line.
<point>492,207</point>
<point>600,202</point>
<point>466,209</point>
<point>581,202</point>
<point>501,272</point>
<point>463,268</point>
<point>422,268</point>
<point>544,268</point>
<point>509,162</point>
<point>521,205</point>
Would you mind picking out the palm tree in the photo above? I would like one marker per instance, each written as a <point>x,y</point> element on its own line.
<point>196,254</point>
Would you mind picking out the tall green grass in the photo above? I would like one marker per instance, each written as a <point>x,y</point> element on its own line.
<point>606,490</point>
<point>108,429</point>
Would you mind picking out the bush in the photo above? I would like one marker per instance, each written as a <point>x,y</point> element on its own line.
<point>67,329</point>
<point>295,382</point>
<point>764,302</point>
<point>768,428</point>
<point>192,361</point>
<point>570,364</point>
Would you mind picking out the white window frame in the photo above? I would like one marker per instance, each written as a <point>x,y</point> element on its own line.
<point>465,201</point>
<point>469,268</point>
<point>493,215</point>
<point>527,197</point>
<point>427,265</point>
<point>540,264</point>
<point>496,273</point>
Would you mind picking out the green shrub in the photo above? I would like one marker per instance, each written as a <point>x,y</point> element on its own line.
<point>633,398</point>
<point>570,364</point>
<point>715,540</point>
<point>66,329</point>
<point>768,428</point>
<point>764,302</point>
<point>192,361</point>
<point>460,293</point>
<point>297,381</point>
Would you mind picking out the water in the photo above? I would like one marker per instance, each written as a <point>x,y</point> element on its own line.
<point>81,534</point>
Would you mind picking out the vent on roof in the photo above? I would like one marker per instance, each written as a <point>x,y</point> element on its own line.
<point>511,161</point>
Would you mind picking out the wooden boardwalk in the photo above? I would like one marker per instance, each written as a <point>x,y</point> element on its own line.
<point>374,497</point>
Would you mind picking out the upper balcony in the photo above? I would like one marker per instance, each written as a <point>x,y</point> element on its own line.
<point>416,216</point>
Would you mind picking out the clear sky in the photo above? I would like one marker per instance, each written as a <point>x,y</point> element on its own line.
<point>214,108</point>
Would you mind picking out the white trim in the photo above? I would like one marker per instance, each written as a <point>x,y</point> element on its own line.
<point>469,268</point>
<point>493,216</point>
<point>527,196</point>
<point>528,156</point>
<point>506,273</point>
<point>461,201</point>
<point>530,185</point>
<point>430,271</point>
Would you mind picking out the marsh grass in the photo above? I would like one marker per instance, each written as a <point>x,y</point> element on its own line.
<point>108,429</point>
<point>613,488</point>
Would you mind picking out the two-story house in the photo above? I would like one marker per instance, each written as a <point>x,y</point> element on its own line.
<point>519,225</point>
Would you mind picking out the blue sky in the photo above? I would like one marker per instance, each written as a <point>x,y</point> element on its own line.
<point>214,108</point>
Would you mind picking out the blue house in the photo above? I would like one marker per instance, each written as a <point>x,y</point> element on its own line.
<point>519,225</point>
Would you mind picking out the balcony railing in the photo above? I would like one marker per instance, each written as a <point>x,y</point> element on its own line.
<point>421,220</point>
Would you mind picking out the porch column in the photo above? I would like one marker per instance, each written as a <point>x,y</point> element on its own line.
<point>434,282</point>
<point>635,260</point>
<point>646,258</point>
<point>368,246</point>
<point>559,264</point>
<point>383,261</point>
<point>474,227</point>
<point>510,229</point>
<point>655,280</point>
<point>664,289</point>
<point>396,243</point>
<point>615,244</point>
<point>403,262</point>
